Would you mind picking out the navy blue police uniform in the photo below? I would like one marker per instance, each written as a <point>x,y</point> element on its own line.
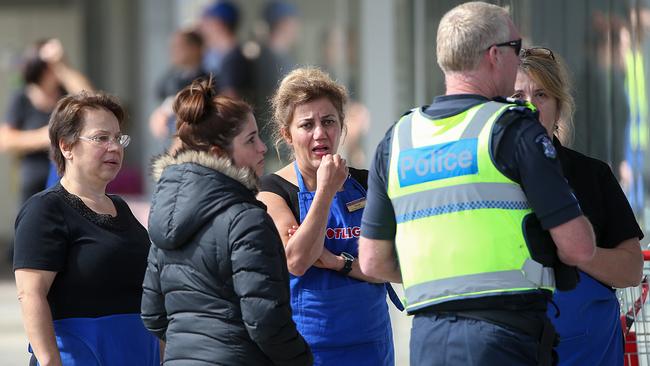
<point>521,150</point>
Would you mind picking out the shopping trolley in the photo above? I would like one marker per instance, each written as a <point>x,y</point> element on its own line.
<point>635,319</point>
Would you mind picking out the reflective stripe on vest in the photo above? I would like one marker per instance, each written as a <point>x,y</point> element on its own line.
<point>479,285</point>
<point>458,198</point>
<point>459,219</point>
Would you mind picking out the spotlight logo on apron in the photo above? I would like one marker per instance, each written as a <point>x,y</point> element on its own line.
<point>343,232</point>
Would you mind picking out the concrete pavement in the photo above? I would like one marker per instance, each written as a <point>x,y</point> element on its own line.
<point>13,342</point>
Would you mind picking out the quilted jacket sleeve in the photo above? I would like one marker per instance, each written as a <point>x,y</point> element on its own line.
<point>261,281</point>
<point>153,313</point>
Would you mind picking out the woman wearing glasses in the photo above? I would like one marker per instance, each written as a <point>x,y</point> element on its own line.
<point>587,318</point>
<point>80,254</point>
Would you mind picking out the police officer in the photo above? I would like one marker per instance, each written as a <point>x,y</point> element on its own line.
<point>460,194</point>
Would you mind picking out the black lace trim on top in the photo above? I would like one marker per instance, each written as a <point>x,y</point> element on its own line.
<point>104,220</point>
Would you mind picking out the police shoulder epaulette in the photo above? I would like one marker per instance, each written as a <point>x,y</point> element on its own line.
<point>520,105</point>
<point>521,108</point>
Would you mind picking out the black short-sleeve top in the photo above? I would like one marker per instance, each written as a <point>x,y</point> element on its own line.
<point>601,198</point>
<point>22,115</point>
<point>100,260</point>
<point>289,191</point>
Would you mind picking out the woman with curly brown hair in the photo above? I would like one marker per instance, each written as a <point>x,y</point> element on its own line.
<point>316,203</point>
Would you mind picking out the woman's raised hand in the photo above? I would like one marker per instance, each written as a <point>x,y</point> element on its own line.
<point>52,51</point>
<point>331,174</point>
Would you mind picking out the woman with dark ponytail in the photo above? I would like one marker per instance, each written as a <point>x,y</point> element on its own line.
<point>217,286</point>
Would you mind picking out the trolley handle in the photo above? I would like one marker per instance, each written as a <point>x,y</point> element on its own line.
<point>628,318</point>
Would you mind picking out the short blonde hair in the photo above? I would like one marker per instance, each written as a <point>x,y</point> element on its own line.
<point>468,30</point>
<point>301,86</point>
<point>548,71</point>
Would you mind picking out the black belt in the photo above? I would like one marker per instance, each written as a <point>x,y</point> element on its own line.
<point>508,319</point>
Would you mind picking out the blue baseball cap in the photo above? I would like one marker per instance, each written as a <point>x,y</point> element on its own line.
<point>275,11</point>
<point>225,11</point>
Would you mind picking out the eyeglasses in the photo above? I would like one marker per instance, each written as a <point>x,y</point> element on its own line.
<point>104,140</point>
<point>516,44</point>
<point>537,52</point>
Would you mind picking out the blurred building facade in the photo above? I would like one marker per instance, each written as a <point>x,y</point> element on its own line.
<point>383,50</point>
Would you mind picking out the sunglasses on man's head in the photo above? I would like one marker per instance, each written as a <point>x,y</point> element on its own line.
<point>516,44</point>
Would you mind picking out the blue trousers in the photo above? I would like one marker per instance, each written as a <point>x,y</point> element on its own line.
<point>448,340</point>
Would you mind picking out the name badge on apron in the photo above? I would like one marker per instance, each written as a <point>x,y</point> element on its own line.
<point>356,204</point>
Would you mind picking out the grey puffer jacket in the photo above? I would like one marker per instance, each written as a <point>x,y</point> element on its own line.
<point>217,285</point>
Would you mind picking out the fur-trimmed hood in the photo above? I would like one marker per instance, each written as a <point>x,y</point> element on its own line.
<point>224,165</point>
<point>191,189</point>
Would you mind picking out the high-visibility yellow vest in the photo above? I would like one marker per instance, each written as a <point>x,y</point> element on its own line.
<point>459,219</point>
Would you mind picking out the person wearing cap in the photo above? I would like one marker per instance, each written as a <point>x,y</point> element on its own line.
<point>185,56</point>
<point>224,57</point>
<point>283,23</point>
<point>275,61</point>
<point>460,194</point>
<point>218,27</point>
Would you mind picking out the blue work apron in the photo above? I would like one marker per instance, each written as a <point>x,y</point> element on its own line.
<point>344,320</point>
<point>589,325</point>
<point>106,341</point>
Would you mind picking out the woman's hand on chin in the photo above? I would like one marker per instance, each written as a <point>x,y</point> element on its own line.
<point>331,174</point>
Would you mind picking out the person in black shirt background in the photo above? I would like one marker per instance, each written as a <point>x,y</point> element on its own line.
<point>80,254</point>
<point>185,56</point>
<point>588,316</point>
<point>47,78</point>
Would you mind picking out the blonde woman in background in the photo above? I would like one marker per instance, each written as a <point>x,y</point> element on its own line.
<point>588,317</point>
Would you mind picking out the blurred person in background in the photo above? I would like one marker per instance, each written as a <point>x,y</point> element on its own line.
<point>587,318</point>
<point>282,29</point>
<point>47,78</point>
<point>316,203</point>
<point>637,136</point>
<point>217,286</point>
<point>339,58</point>
<point>218,27</point>
<point>224,57</point>
<point>283,25</point>
<point>70,239</point>
<point>186,58</point>
<point>358,124</point>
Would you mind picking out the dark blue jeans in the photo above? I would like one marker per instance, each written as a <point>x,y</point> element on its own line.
<point>448,340</point>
